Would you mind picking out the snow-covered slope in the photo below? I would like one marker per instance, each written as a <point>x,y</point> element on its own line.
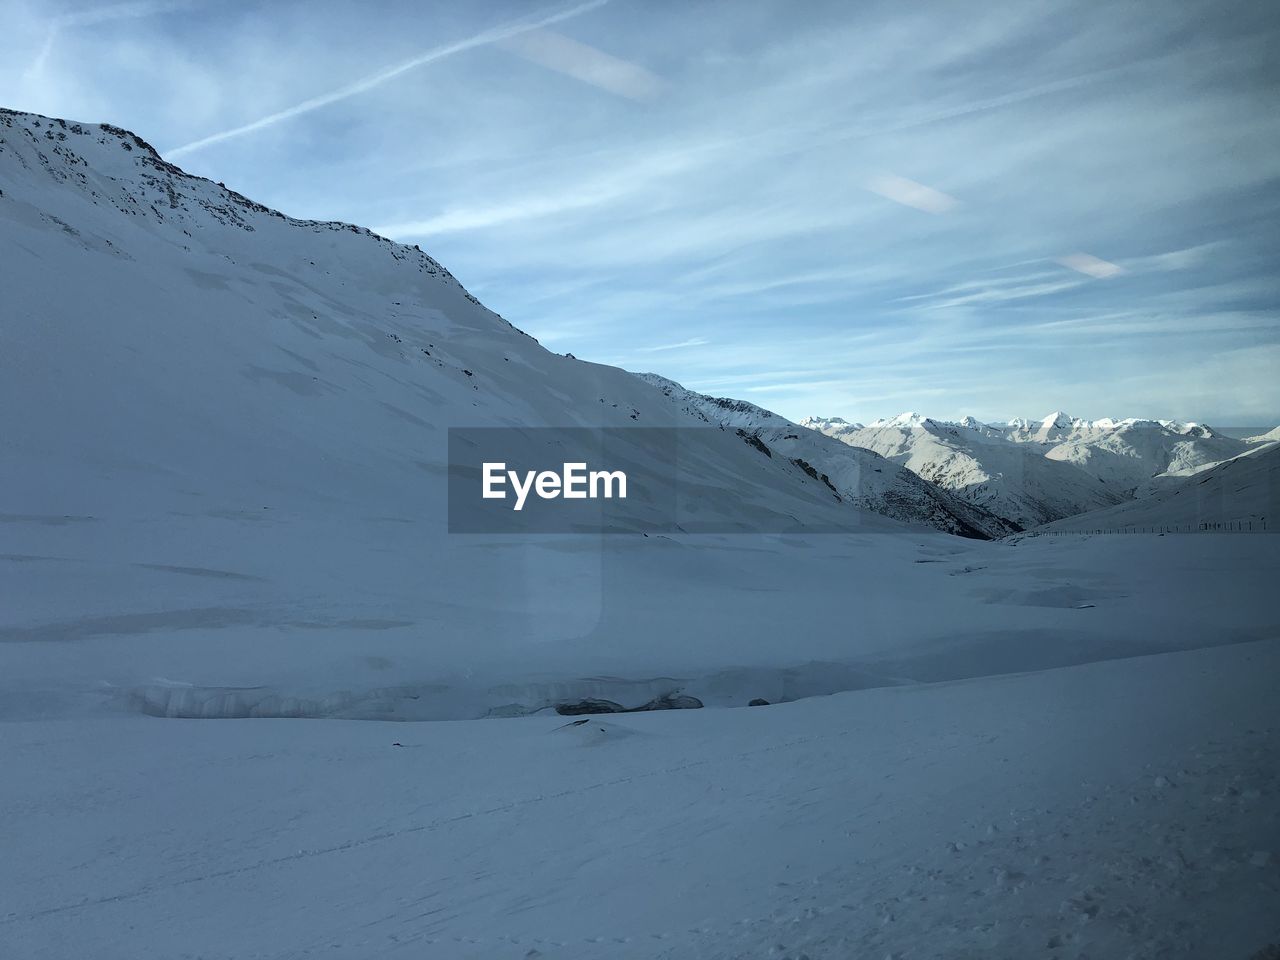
<point>830,425</point>
<point>1269,437</point>
<point>1135,456</point>
<point>1118,810</point>
<point>1242,493</point>
<point>1059,427</point>
<point>859,476</point>
<point>174,349</point>
<point>979,464</point>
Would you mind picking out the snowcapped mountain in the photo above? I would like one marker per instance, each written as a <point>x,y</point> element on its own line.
<point>981,465</point>
<point>860,476</point>
<point>164,332</point>
<point>1037,471</point>
<point>1058,427</point>
<point>1131,455</point>
<point>1242,493</point>
<point>1269,437</point>
<point>830,425</point>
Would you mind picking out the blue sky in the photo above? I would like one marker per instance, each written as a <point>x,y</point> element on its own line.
<point>847,209</point>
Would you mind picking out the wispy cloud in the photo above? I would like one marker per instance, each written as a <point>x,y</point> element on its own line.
<point>691,342</point>
<point>623,180</point>
<point>722,186</point>
<point>1184,259</point>
<point>594,67</point>
<point>1090,265</point>
<point>992,291</point>
<point>912,194</point>
<point>1159,323</point>
<point>364,84</point>
<point>103,14</point>
<point>800,386</point>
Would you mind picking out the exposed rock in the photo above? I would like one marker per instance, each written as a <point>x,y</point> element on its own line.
<point>756,442</point>
<point>588,706</point>
<point>672,701</point>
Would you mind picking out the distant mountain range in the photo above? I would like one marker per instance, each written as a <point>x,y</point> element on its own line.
<point>1032,472</point>
<point>863,477</point>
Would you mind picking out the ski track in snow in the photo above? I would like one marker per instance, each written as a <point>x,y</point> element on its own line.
<point>383,837</point>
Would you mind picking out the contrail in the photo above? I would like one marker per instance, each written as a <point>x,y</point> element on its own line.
<point>492,35</point>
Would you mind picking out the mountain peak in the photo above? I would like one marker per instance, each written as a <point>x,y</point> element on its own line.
<point>907,419</point>
<point>131,176</point>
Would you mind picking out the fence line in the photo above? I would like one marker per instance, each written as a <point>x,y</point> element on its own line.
<point>1228,526</point>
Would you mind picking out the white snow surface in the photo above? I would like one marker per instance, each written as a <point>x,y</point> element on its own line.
<point>222,506</point>
<point>1125,809</point>
<point>1242,493</point>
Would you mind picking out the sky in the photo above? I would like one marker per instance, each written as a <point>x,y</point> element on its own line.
<point>835,209</point>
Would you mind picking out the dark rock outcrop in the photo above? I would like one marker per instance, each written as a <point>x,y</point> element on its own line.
<point>589,705</point>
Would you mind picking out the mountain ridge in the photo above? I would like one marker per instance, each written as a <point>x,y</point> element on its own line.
<point>864,477</point>
<point>1240,494</point>
<point>201,330</point>
<point>1040,471</point>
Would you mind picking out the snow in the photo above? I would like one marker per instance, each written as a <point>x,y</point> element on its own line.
<point>1124,809</point>
<point>1032,472</point>
<point>908,419</point>
<point>384,620</point>
<point>231,364</point>
<point>1012,480</point>
<point>1241,494</point>
<point>828,424</point>
<point>226,571</point>
<point>859,476</point>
